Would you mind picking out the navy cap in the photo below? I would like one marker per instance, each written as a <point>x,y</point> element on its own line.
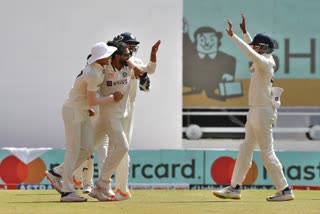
<point>264,39</point>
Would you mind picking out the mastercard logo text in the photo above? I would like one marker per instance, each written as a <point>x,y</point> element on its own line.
<point>222,168</point>
<point>14,171</point>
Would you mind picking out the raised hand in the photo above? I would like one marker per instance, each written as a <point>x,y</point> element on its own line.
<point>155,47</point>
<point>243,24</point>
<point>229,29</point>
<point>154,50</point>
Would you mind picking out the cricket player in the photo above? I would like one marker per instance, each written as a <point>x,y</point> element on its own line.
<point>122,191</point>
<point>122,171</point>
<point>261,116</point>
<point>55,175</point>
<point>112,119</point>
<point>78,127</point>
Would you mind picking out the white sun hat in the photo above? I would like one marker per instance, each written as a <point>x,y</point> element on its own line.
<point>99,51</point>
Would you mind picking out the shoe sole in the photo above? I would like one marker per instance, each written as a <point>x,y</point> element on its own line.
<point>92,195</point>
<point>225,197</point>
<point>112,199</point>
<point>74,201</point>
<point>95,196</point>
<point>272,200</point>
<point>52,182</point>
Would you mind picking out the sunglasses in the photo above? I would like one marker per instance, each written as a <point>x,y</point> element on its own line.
<point>255,46</point>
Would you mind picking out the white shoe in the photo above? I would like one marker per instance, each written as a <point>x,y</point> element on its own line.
<point>108,190</point>
<point>72,197</point>
<point>102,190</point>
<point>98,194</point>
<point>228,193</point>
<point>54,179</point>
<point>284,195</point>
<point>87,189</point>
<point>120,196</point>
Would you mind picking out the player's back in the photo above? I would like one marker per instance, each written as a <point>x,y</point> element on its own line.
<point>90,78</point>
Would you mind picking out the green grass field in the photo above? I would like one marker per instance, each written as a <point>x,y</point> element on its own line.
<point>159,201</point>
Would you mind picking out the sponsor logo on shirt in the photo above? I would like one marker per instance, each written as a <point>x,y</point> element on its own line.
<point>124,74</point>
<point>109,83</point>
<point>119,82</point>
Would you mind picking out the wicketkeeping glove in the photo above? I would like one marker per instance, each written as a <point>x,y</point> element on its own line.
<point>144,83</point>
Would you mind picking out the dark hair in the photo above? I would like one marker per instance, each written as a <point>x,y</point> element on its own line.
<point>120,45</point>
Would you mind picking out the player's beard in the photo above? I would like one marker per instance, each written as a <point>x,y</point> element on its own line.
<point>123,62</point>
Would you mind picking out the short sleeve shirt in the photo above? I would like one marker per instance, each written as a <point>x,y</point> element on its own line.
<point>89,79</point>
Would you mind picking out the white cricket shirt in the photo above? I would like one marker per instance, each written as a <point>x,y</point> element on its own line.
<point>90,80</point>
<point>261,74</point>
<point>115,80</point>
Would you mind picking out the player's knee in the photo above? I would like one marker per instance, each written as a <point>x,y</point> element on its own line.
<point>125,148</point>
<point>267,154</point>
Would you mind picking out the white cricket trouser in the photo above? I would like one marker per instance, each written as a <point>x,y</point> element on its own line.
<point>79,144</point>
<point>85,171</point>
<point>117,146</point>
<point>122,171</point>
<point>88,169</point>
<point>102,151</point>
<point>259,131</point>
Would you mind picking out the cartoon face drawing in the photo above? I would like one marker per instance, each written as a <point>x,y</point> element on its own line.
<point>206,68</point>
<point>207,43</point>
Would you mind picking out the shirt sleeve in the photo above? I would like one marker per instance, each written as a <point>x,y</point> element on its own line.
<point>93,79</point>
<point>257,58</point>
<point>150,68</point>
<point>247,37</point>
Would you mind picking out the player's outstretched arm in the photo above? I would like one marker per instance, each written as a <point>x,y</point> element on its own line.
<point>246,35</point>
<point>229,29</point>
<point>253,55</point>
<point>154,50</point>
<point>243,24</point>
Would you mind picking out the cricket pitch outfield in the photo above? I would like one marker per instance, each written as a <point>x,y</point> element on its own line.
<point>159,202</point>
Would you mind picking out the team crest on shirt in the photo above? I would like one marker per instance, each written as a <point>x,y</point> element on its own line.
<point>124,74</point>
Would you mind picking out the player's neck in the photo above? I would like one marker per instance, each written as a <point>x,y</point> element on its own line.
<point>116,64</point>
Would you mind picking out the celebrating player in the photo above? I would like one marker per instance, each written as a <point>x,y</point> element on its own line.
<point>78,127</point>
<point>112,118</point>
<point>260,118</point>
<point>122,171</point>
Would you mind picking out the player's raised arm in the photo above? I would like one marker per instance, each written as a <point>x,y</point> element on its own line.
<point>245,33</point>
<point>243,24</point>
<point>154,50</point>
<point>229,29</point>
